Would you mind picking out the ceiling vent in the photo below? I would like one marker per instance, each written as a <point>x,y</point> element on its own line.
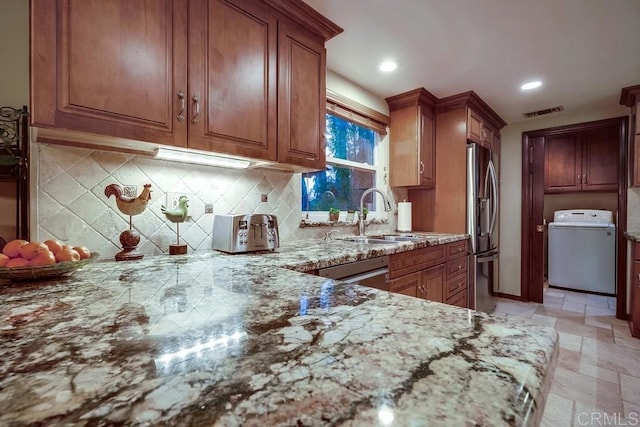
<point>543,112</point>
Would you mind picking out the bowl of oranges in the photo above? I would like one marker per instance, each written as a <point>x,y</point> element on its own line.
<point>24,260</point>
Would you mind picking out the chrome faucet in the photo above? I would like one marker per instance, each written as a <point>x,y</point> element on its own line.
<point>387,208</point>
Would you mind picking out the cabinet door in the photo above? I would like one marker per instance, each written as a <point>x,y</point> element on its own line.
<point>432,284</point>
<point>110,67</point>
<point>426,146</point>
<point>301,97</point>
<point>474,126</point>
<point>635,294</point>
<point>562,165</point>
<point>232,96</point>
<point>635,168</point>
<point>600,159</point>
<point>406,285</point>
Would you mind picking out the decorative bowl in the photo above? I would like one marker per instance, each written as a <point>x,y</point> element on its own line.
<point>45,271</point>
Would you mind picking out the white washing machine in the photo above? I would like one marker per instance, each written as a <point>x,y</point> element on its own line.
<point>582,251</point>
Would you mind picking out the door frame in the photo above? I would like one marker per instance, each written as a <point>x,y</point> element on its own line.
<point>532,253</point>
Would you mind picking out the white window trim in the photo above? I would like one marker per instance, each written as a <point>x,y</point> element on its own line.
<point>380,158</point>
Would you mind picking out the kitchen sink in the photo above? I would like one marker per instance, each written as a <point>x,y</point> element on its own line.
<point>396,238</point>
<point>368,240</point>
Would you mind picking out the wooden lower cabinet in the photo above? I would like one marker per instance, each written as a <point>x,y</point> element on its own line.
<point>406,285</point>
<point>635,292</point>
<point>431,285</point>
<point>436,273</point>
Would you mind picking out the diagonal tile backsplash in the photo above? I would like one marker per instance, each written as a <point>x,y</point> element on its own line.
<point>72,207</point>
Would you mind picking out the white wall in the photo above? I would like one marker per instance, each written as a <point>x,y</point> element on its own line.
<point>511,187</point>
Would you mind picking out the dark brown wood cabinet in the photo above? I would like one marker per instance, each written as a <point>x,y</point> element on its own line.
<point>459,119</point>
<point>238,77</point>
<point>630,96</point>
<point>635,291</point>
<point>582,161</point>
<point>437,273</point>
<point>412,139</point>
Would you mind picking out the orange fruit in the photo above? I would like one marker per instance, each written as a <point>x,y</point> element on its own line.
<point>3,260</point>
<point>67,254</point>
<point>33,249</point>
<point>17,262</point>
<point>53,245</point>
<point>43,258</point>
<point>12,248</point>
<point>82,251</point>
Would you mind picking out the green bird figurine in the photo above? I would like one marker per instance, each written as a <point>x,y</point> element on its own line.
<point>179,213</point>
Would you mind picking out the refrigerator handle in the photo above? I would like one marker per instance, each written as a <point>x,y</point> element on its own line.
<point>491,256</point>
<point>494,199</point>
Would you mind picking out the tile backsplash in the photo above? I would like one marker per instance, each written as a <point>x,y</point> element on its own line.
<point>71,205</point>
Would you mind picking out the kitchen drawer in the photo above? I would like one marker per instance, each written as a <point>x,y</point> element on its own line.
<point>406,285</point>
<point>456,267</point>
<point>419,259</point>
<point>455,286</point>
<point>457,249</point>
<point>459,299</point>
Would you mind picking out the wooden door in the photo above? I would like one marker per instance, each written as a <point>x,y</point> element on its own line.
<point>474,126</point>
<point>635,294</point>
<point>562,163</point>
<point>110,67</point>
<point>406,285</point>
<point>600,159</point>
<point>427,163</point>
<point>301,97</point>
<point>432,284</point>
<point>232,97</point>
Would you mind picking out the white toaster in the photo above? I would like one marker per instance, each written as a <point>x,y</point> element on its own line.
<point>245,233</point>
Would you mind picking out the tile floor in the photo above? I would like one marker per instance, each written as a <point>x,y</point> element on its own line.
<point>597,379</point>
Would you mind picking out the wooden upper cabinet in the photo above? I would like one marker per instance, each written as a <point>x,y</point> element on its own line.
<point>232,99</point>
<point>301,97</point>
<point>474,126</point>
<point>238,77</point>
<point>630,96</point>
<point>109,67</point>
<point>412,139</point>
<point>600,159</point>
<point>582,160</point>
<point>563,163</point>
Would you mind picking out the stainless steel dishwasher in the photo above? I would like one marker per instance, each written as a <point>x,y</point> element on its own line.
<point>372,272</point>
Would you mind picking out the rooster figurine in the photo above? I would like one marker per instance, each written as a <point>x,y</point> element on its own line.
<point>177,215</point>
<point>129,206</point>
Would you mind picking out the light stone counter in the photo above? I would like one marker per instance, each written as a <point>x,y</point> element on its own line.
<point>228,340</point>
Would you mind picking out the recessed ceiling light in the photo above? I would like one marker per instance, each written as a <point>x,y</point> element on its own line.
<point>531,85</point>
<point>388,65</point>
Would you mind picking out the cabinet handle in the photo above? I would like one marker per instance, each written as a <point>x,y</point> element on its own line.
<point>584,179</point>
<point>421,168</point>
<point>180,115</point>
<point>579,179</point>
<point>195,109</point>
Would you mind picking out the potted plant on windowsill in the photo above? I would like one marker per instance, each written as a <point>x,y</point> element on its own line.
<point>364,213</point>
<point>334,214</point>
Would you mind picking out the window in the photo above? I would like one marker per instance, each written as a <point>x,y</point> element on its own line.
<point>353,162</point>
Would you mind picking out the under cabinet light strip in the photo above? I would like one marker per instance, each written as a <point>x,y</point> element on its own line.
<point>200,158</point>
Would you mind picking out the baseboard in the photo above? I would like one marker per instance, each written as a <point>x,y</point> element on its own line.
<point>508,296</point>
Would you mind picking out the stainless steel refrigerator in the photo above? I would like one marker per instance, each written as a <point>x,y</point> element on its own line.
<point>482,226</point>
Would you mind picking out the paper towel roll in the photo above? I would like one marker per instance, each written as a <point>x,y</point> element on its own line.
<point>404,216</point>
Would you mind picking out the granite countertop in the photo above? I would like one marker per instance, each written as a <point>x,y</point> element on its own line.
<point>229,340</point>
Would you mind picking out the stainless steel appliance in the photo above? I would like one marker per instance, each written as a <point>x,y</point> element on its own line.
<point>372,272</point>
<point>482,226</point>
<point>245,233</point>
